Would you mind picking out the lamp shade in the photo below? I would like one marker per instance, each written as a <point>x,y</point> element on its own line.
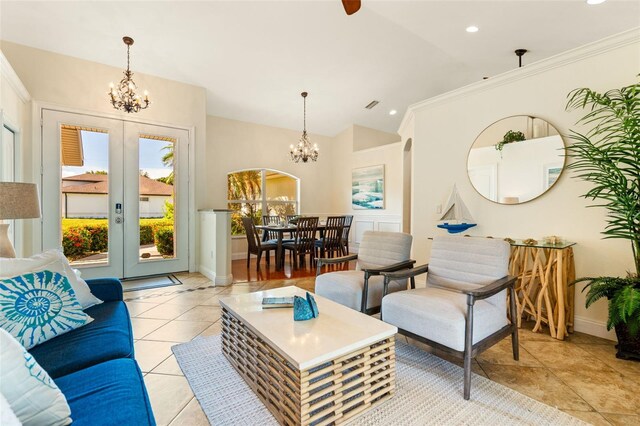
<point>19,200</point>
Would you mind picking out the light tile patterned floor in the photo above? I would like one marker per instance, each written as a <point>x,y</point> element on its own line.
<point>580,376</point>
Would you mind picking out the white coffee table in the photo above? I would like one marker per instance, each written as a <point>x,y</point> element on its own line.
<point>321,371</point>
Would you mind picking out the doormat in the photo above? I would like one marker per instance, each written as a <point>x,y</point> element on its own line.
<point>145,283</point>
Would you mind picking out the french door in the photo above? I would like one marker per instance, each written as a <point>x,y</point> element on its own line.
<point>115,194</point>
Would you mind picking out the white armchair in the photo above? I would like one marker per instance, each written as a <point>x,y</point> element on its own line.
<point>463,309</point>
<point>361,289</point>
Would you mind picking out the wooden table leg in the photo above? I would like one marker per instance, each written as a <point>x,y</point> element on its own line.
<point>560,289</point>
<point>279,253</point>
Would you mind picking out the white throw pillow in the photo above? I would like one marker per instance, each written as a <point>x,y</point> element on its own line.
<point>33,396</point>
<point>7,416</point>
<point>43,262</point>
<point>39,306</point>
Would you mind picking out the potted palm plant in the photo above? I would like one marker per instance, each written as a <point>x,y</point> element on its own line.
<point>608,156</point>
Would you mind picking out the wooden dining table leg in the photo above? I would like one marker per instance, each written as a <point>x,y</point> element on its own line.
<point>280,253</point>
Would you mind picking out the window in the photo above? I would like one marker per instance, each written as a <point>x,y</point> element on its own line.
<point>252,193</point>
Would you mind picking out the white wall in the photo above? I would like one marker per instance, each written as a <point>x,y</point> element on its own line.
<point>445,127</point>
<point>347,159</point>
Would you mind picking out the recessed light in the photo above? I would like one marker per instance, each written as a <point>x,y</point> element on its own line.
<point>472,29</point>
<point>595,1</point>
<point>393,112</point>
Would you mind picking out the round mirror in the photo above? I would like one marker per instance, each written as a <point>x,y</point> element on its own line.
<point>516,159</point>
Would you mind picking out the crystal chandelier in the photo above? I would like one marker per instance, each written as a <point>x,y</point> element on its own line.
<point>304,151</point>
<point>124,97</point>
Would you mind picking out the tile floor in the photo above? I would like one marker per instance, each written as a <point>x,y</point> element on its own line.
<point>580,375</point>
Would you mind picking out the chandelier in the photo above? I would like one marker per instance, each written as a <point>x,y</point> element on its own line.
<point>124,97</point>
<point>304,151</point>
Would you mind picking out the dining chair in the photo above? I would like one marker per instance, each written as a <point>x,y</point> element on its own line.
<point>254,245</point>
<point>463,309</point>
<point>331,242</point>
<point>361,289</point>
<point>270,220</point>
<point>348,219</point>
<point>304,238</point>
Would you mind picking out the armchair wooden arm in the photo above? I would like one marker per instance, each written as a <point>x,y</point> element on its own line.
<point>390,268</point>
<point>333,261</point>
<point>369,272</point>
<point>402,274</point>
<point>490,289</point>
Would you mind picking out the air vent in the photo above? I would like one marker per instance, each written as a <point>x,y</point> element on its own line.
<point>372,104</point>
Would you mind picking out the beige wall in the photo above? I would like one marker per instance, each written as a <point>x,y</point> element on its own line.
<point>72,83</point>
<point>237,145</point>
<point>78,84</point>
<point>445,128</point>
<point>365,138</point>
<point>16,114</point>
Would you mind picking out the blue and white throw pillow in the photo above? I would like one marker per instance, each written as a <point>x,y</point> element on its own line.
<point>39,306</point>
<point>32,395</point>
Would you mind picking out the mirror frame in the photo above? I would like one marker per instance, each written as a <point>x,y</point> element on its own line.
<point>564,160</point>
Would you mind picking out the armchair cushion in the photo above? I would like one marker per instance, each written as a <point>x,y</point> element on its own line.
<point>345,287</point>
<point>439,315</point>
<point>466,263</point>
<point>378,249</point>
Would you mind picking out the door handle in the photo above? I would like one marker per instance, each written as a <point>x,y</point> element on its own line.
<point>119,219</point>
<point>118,208</point>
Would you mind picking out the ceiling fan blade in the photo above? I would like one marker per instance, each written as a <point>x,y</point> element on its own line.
<point>351,6</point>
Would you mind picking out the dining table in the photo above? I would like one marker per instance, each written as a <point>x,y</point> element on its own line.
<point>280,230</point>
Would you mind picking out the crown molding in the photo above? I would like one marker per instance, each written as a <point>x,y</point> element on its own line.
<point>14,81</point>
<point>580,53</point>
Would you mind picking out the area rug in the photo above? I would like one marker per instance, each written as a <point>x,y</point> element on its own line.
<point>429,392</point>
<point>145,283</point>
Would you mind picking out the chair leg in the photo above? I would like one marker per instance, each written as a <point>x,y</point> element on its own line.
<point>515,344</point>
<point>248,258</point>
<point>268,257</point>
<point>468,349</point>
<point>365,295</point>
<point>259,257</point>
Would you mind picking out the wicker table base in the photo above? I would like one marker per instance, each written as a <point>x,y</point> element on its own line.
<point>329,393</point>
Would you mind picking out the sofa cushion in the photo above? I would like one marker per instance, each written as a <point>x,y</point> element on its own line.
<point>440,315</point>
<point>110,393</point>
<point>108,337</point>
<point>38,306</point>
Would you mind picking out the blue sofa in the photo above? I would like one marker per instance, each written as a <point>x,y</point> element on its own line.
<point>94,365</point>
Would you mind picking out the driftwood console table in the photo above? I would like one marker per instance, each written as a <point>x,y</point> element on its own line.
<point>544,273</point>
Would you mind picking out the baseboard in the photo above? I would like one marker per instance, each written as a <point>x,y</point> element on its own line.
<point>219,280</point>
<point>594,328</point>
<point>223,280</point>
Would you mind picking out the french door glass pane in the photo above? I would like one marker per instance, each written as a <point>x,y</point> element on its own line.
<point>157,197</point>
<point>84,200</point>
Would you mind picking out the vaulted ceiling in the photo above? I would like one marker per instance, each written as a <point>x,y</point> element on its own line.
<point>255,57</point>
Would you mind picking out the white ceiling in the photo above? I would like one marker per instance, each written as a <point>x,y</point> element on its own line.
<point>254,58</point>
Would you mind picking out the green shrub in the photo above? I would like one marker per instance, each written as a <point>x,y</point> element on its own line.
<point>163,237</point>
<point>98,236</point>
<point>81,237</point>
<point>76,242</point>
<point>146,234</point>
